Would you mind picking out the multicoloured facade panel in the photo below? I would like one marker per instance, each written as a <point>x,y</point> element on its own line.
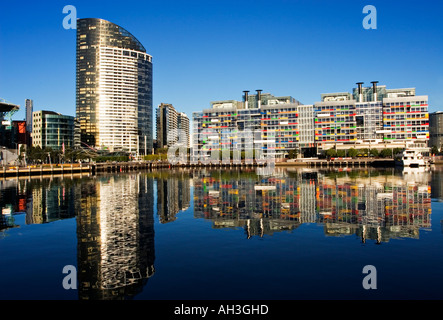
<point>406,118</point>
<point>335,121</point>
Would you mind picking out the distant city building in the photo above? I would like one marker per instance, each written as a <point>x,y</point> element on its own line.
<point>114,88</point>
<point>173,196</point>
<point>184,126</point>
<point>169,119</point>
<point>52,130</point>
<point>77,134</point>
<point>7,130</point>
<point>436,130</point>
<point>22,135</point>
<point>29,110</point>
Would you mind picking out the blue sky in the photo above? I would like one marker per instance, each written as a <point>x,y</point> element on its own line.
<point>213,50</point>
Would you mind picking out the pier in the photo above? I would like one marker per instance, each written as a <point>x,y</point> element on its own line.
<point>114,167</point>
<point>352,163</point>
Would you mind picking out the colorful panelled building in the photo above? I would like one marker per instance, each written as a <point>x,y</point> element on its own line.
<point>370,117</point>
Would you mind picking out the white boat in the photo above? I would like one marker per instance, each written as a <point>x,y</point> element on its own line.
<point>413,158</point>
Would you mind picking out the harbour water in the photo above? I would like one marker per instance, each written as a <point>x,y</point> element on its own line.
<point>209,235</point>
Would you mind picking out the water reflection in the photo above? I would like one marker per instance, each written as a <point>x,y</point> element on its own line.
<point>115,214</point>
<point>371,204</point>
<point>173,194</point>
<point>115,233</point>
<point>38,200</point>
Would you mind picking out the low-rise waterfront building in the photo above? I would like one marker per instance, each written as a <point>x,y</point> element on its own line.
<point>370,117</point>
<point>263,122</point>
<point>52,130</point>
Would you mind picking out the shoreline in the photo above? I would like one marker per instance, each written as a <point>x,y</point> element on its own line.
<point>95,168</point>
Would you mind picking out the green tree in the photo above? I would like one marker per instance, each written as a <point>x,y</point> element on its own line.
<point>434,150</point>
<point>292,154</point>
<point>363,152</point>
<point>341,153</point>
<point>352,153</point>
<point>162,150</point>
<point>374,152</point>
<point>35,155</point>
<point>386,153</point>
<point>331,153</point>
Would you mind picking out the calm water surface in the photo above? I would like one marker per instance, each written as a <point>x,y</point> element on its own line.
<point>174,235</point>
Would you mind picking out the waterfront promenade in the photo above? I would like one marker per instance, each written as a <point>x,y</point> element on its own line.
<point>116,167</point>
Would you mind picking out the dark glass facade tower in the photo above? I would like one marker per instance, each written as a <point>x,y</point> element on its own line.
<point>113,88</point>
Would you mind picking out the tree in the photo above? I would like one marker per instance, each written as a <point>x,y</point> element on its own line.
<point>292,154</point>
<point>35,155</point>
<point>341,153</point>
<point>352,153</point>
<point>162,150</point>
<point>374,152</point>
<point>331,153</point>
<point>434,150</point>
<point>363,152</point>
<point>386,153</point>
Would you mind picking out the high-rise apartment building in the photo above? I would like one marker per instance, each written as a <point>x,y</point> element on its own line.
<point>29,110</point>
<point>168,121</point>
<point>183,127</point>
<point>114,88</point>
<point>52,130</point>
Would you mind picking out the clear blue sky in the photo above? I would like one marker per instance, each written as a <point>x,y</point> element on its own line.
<point>213,50</point>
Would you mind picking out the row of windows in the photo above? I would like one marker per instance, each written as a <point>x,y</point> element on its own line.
<point>408,109</point>
<point>406,103</point>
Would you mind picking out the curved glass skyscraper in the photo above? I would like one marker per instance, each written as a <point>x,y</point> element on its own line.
<point>114,88</point>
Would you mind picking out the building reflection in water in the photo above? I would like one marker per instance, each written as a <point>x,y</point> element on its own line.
<point>173,193</point>
<point>437,183</point>
<point>39,200</point>
<point>115,231</point>
<point>371,204</point>
<point>115,213</point>
<point>115,222</point>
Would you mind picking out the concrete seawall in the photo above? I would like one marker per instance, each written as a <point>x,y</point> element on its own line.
<point>97,168</point>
